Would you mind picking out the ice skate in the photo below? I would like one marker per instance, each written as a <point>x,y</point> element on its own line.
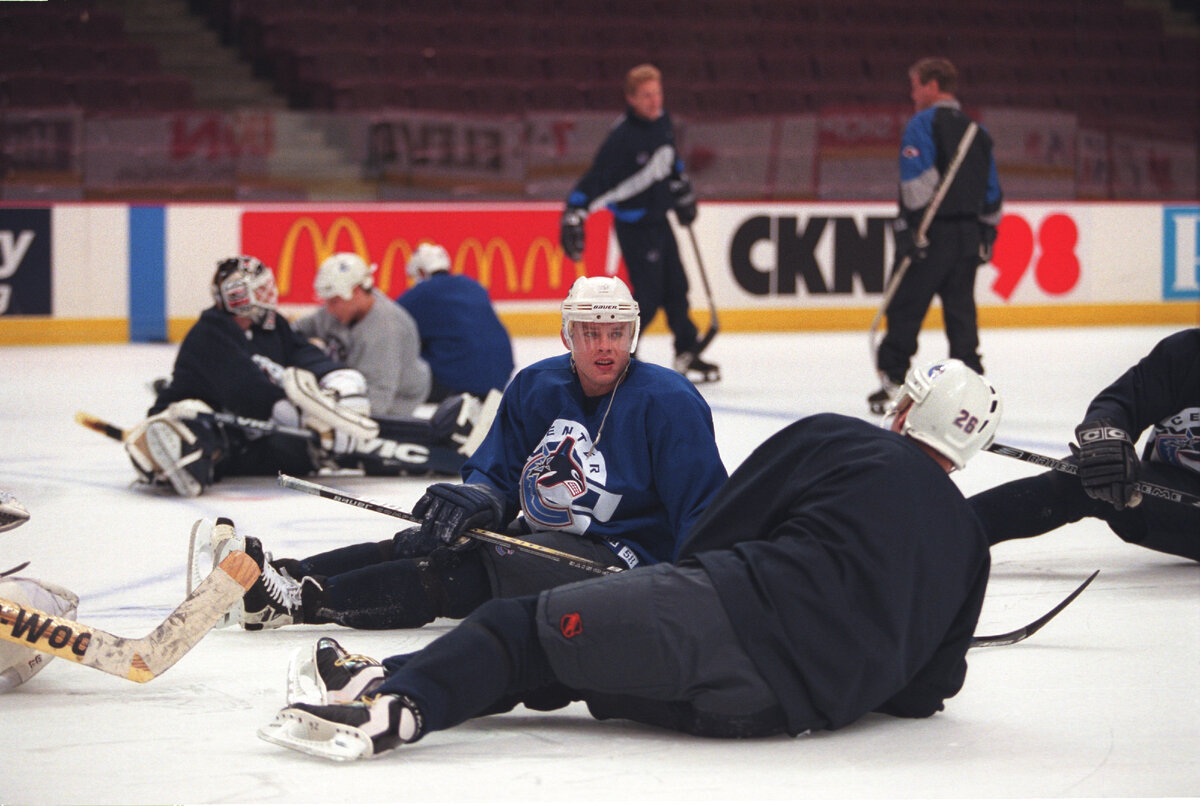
<point>12,512</point>
<point>696,369</point>
<point>880,400</point>
<point>365,728</point>
<point>209,544</point>
<point>329,675</point>
<point>276,599</point>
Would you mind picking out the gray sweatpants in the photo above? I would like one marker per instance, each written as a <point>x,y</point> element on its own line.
<point>659,640</point>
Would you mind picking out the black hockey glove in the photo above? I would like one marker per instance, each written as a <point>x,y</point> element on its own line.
<point>448,510</point>
<point>906,247</point>
<point>1108,463</point>
<point>570,232</point>
<point>987,239</point>
<point>685,200</point>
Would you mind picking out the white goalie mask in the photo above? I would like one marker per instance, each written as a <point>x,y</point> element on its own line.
<point>429,259</point>
<point>341,273</point>
<point>600,299</point>
<point>954,410</point>
<point>245,286</point>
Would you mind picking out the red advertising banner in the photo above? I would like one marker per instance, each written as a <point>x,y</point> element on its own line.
<point>512,251</point>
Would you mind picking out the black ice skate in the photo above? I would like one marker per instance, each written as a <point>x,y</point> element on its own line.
<point>696,369</point>
<point>880,400</point>
<point>276,598</point>
<point>329,675</point>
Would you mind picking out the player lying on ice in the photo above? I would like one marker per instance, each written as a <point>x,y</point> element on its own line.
<point>792,606</point>
<point>243,358</point>
<point>605,457</point>
<point>1161,392</point>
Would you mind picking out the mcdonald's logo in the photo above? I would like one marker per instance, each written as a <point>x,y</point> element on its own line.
<point>323,245</point>
<point>522,264</point>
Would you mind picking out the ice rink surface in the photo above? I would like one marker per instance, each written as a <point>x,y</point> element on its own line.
<point>1104,701</point>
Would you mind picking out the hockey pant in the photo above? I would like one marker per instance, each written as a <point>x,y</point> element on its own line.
<point>653,645</point>
<point>1038,504</point>
<point>948,271</point>
<point>656,274</point>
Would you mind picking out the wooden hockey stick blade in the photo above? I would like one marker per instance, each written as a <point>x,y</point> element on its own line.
<point>96,424</point>
<point>515,543</point>
<point>1144,487</point>
<point>136,659</point>
<point>1005,639</point>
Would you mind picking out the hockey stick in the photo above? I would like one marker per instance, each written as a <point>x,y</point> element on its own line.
<point>136,659</point>
<point>1005,639</point>
<point>713,325</point>
<point>312,488</point>
<point>920,240</point>
<point>96,424</point>
<point>262,427</point>
<point>1145,487</point>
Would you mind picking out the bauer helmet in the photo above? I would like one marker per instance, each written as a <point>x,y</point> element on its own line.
<point>600,299</point>
<point>953,409</point>
<point>245,286</point>
<point>340,274</point>
<point>428,259</point>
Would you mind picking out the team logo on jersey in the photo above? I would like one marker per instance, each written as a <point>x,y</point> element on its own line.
<point>1176,440</point>
<point>570,625</point>
<point>562,483</point>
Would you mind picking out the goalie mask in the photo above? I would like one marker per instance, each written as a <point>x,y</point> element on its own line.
<point>245,286</point>
<point>429,259</point>
<point>950,408</point>
<point>600,299</point>
<point>340,274</point>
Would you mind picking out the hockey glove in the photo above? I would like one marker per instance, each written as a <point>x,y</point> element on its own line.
<point>1108,463</point>
<point>448,510</point>
<point>906,246</point>
<point>987,239</point>
<point>685,200</point>
<point>571,231</point>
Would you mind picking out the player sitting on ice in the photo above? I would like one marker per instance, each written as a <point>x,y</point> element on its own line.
<point>243,358</point>
<point>19,663</point>
<point>605,457</point>
<point>792,606</point>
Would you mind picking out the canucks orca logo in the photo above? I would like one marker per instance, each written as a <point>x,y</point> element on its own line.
<point>562,483</point>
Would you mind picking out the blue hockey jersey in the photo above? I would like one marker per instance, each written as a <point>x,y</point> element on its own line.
<point>639,474</point>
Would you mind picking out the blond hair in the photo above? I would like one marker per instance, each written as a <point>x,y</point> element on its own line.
<point>640,75</point>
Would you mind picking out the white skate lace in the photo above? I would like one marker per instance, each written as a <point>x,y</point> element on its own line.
<point>281,588</point>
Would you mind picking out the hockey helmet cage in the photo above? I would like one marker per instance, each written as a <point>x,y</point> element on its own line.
<point>245,286</point>
<point>600,299</point>
<point>954,410</point>
<point>340,273</point>
<point>429,258</point>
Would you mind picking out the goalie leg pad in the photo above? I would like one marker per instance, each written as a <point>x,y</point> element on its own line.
<point>302,389</point>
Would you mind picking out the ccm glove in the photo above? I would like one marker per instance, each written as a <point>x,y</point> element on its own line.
<point>987,239</point>
<point>1108,463</point>
<point>685,200</point>
<point>448,510</point>
<point>906,246</point>
<point>571,231</point>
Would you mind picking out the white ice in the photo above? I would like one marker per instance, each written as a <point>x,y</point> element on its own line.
<point>1102,702</point>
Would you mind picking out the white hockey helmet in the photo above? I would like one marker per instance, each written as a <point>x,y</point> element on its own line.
<point>429,258</point>
<point>600,299</point>
<point>245,286</point>
<point>954,410</point>
<point>341,273</point>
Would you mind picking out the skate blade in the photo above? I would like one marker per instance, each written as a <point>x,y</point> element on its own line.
<point>303,683</point>
<point>299,730</point>
<point>201,562</point>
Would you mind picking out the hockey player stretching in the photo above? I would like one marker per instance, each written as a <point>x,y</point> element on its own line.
<point>792,605</point>
<point>243,358</point>
<point>603,456</point>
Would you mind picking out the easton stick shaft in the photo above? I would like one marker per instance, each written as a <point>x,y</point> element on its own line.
<point>1005,639</point>
<point>136,659</point>
<point>1144,487</point>
<point>713,325</point>
<point>583,563</point>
